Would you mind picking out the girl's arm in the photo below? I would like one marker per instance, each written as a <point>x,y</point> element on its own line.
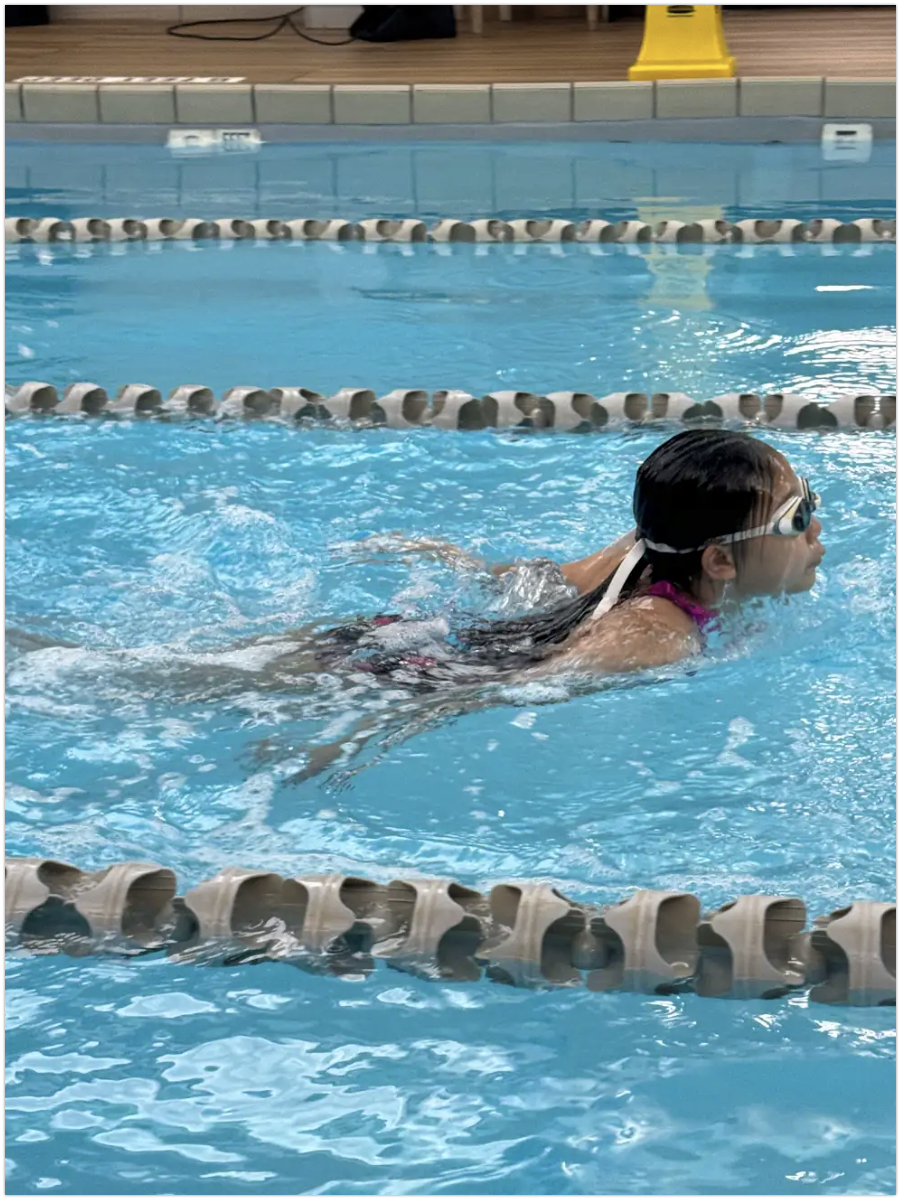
<point>588,573</point>
<point>585,574</point>
<point>408,719</point>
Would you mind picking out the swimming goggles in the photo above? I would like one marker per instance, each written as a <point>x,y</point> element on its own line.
<point>790,519</point>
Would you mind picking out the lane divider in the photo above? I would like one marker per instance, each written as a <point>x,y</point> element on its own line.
<point>597,231</point>
<point>414,408</point>
<point>524,934</point>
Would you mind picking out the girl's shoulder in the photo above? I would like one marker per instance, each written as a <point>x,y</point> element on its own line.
<point>641,633</point>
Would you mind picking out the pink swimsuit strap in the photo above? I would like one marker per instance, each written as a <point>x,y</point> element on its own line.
<point>702,617</point>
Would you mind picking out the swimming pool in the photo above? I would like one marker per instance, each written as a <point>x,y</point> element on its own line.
<point>769,770</point>
<point>573,179</point>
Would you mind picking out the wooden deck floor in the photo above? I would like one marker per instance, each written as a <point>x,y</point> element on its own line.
<point>837,41</point>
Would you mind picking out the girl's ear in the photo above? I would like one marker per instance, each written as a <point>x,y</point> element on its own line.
<point>718,562</point>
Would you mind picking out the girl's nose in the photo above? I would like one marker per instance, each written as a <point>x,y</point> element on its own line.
<point>814,529</point>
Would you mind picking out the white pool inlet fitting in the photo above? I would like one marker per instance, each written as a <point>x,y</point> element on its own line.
<point>847,142</point>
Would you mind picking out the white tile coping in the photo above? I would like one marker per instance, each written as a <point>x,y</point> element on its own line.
<point>362,104</point>
<point>531,102</point>
<point>228,99</point>
<point>696,98</point>
<point>448,103</point>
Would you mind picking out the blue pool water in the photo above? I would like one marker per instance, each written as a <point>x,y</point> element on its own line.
<point>326,317</point>
<point>152,545</point>
<point>430,179</point>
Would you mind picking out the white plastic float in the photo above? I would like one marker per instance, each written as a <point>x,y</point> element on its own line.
<point>404,408</point>
<point>521,933</point>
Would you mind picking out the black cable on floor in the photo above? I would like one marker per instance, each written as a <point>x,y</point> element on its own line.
<point>284,21</point>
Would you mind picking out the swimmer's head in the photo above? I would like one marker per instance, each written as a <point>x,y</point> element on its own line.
<point>709,502</point>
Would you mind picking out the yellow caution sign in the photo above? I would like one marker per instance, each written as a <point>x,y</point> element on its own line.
<point>683,41</point>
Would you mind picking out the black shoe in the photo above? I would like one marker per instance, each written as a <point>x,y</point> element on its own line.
<point>372,16</point>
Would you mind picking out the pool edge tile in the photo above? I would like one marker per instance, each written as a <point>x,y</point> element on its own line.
<point>545,102</point>
<point>799,96</point>
<point>695,98</point>
<point>859,98</point>
<point>60,103</point>
<point>137,104</point>
<point>293,103</point>
<point>372,104</point>
<point>617,100</point>
<point>14,102</point>
<point>214,104</point>
<point>451,103</point>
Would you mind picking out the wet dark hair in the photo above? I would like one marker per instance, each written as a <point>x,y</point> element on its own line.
<point>697,486</point>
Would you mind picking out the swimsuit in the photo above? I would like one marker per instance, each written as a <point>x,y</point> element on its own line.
<point>360,645</point>
<point>702,617</point>
<point>405,665</point>
<point>387,664</point>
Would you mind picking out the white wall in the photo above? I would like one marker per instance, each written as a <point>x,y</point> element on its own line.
<point>334,16</point>
<point>221,12</point>
<point>115,12</point>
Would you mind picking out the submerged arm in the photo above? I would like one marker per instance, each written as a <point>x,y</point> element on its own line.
<point>404,722</point>
<point>641,635</point>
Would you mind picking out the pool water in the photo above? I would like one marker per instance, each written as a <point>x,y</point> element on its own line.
<point>325,317</point>
<point>148,545</point>
<point>573,179</point>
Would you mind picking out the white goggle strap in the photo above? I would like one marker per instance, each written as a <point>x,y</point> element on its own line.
<point>783,514</point>
<point>623,571</point>
<point>780,523</point>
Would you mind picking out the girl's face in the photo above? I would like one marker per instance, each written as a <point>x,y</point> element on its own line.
<point>774,564</point>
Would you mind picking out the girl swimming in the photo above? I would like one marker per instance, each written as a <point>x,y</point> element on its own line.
<point>720,517</point>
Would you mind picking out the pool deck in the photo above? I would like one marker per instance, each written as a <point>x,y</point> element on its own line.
<point>837,42</point>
